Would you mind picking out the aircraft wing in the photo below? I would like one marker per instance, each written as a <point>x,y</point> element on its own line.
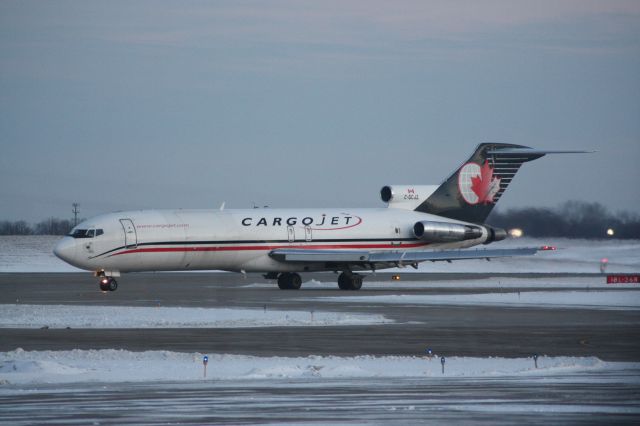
<point>399,257</point>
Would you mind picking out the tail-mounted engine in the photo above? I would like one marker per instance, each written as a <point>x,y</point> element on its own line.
<point>495,234</point>
<point>443,232</point>
<point>406,197</point>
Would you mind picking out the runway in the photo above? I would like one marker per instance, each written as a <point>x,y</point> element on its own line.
<point>452,331</point>
<point>477,331</point>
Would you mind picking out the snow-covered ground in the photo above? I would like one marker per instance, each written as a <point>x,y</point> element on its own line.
<point>372,280</point>
<point>624,300</point>
<point>23,367</point>
<point>62,316</point>
<point>34,254</point>
<point>95,386</point>
<point>571,256</point>
<point>119,387</point>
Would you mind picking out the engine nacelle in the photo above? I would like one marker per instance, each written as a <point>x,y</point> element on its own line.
<point>406,196</point>
<point>443,232</point>
<point>495,234</point>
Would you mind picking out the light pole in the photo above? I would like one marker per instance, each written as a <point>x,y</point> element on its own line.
<point>75,213</point>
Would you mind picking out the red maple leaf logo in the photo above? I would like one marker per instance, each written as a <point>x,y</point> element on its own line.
<point>485,186</point>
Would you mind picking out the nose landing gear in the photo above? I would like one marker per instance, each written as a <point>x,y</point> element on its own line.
<point>108,284</point>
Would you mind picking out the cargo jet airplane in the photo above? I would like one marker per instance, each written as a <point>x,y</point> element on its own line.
<point>421,223</point>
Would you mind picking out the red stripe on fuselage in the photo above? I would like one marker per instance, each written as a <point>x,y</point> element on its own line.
<point>258,248</point>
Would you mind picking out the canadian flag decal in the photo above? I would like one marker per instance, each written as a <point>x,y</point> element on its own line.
<point>477,183</point>
<point>485,185</point>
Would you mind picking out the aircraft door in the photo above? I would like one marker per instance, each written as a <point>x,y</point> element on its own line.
<point>130,235</point>
<point>291,234</point>
<point>307,233</point>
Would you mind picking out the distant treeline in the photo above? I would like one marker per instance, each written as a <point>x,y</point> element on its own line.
<point>573,219</point>
<point>51,226</point>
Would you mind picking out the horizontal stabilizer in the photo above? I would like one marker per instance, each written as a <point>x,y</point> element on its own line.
<point>531,152</point>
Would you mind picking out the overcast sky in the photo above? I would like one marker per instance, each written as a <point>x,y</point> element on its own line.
<point>163,104</point>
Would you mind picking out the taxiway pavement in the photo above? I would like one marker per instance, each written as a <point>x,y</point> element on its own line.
<point>476,331</point>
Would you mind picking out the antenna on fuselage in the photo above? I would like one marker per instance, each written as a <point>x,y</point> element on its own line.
<point>222,205</point>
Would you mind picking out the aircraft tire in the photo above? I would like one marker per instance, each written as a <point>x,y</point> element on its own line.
<point>283,282</point>
<point>104,286</point>
<point>356,282</point>
<point>343,281</point>
<point>295,281</point>
<point>113,284</point>
<point>289,281</point>
<point>349,281</point>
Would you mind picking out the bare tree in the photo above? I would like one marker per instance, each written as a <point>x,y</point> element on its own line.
<point>573,219</point>
<point>53,226</point>
<point>19,227</point>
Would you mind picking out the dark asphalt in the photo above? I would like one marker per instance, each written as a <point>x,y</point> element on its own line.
<point>463,331</point>
<point>596,399</point>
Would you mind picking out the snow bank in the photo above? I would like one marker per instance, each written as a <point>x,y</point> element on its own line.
<point>496,283</point>
<point>20,367</point>
<point>588,299</point>
<point>571,256</point>
<point>61,316</point>
<point>34,254</point>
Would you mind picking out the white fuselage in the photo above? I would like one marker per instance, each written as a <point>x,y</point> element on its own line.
<point>239,240</point>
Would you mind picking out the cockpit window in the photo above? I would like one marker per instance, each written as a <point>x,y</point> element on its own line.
<point>78,233</point>
<point>86,233</point>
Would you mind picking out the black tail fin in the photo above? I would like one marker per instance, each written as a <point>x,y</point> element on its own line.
<point>472,190</point>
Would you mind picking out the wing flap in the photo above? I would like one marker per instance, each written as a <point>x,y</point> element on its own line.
<point>310,255</point>
<point>398,257</point>
<point>448,255</point>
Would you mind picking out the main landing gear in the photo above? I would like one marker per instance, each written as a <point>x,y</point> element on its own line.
<point>349,281</point>
<point>108,284</point>
<point>289,281</point>
<point>292,281</point>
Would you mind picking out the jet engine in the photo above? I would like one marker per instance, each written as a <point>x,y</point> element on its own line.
<point>495,234</point>
<point>406,197</point>
<point>443,232</point>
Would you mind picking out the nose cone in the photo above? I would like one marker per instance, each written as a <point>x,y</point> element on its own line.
<point>66,250</point>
